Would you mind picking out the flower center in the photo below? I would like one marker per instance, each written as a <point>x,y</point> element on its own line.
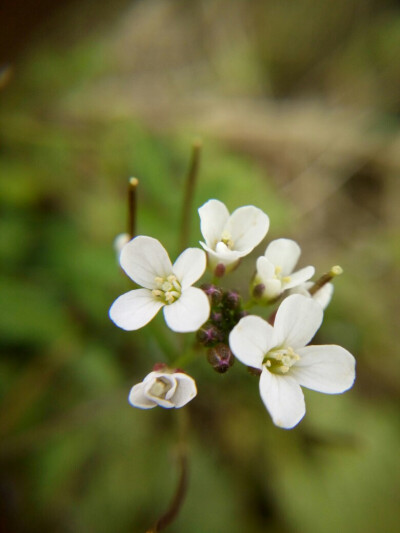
<point>160,388</point>
<point>280,361</point>
<point>168,289</point>
<point>226,238</point>
<point>278,275</point>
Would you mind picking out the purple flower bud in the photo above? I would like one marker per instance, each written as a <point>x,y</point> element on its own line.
<point>258,290</point>
<point>208,335</point>
<point>214,293</point>
<point>232,299</point>
<point>216,317</point>
<point>219,270</point>
<point>220,358</point>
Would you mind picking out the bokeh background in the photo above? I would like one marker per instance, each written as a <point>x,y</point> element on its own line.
<point>297,104</point>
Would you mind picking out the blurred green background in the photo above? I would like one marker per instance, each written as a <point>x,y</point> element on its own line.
<point>297,104</point>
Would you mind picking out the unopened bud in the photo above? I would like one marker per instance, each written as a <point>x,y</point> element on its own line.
<point>258,290</point>
<point>214,293</point>
<point>216,317</point>
<point>219,270</point>
<point>232,299</point>
<point>220,358</point>
<point>209,335</point>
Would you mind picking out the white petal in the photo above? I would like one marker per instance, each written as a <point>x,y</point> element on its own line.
<point>134,309</point>
<point>213,217</point>
<point>324,295</point>
<point>273,288</point>
<point>223,255</point>
<point>283,398</point>
<point>190,266</point>
<point>145,258</point>
<point>251,339</point>
<point>329,369</point>
<point>185,391</point>
<point>265,269</point>
<point>297,320</point>
<point>166,377</point>
<point>137,397</point>
<point>284,253</point>
<point>189,312</point>
<point>248,226</point>
<point>299,277</point>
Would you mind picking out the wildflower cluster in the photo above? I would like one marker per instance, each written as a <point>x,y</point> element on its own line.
<point>275,346</point>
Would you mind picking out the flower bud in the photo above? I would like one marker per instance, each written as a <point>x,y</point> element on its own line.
<point>214,293</point>
<point>232,300</point>
<point>258,290</point>
<point>217,317</point>
<point>220,358</point>
<point>209,335</point>
<point>219,270</point>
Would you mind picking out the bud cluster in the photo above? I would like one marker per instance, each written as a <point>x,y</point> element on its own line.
<point>226,311</point>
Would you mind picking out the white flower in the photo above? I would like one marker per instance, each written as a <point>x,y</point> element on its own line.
<point>275,269</point>
<point>323,295</point>
<point>147,263</point>
<point>280,352</point>
<point>230,237</point>
<point>163,388</point>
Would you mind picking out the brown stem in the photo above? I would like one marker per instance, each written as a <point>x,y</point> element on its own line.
<point>324,279</point>
<point>132,206</point>
<point>189,193</point>
<point>183,466</point>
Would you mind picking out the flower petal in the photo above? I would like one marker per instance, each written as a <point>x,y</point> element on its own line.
<point>185,391</point>
<point>149,383</point>
<point>272,289</point>
<point>299,277</point>
<point>213,217</point>
<point>329,369</point>
<point>251,339</point>
<point>190,266</point>
<point>283,398</point>
<point>297,320</point>
<point>189,312</point>
<point>324,295</point>
<point>265,269</point>
<point>137,397</point>
<point>145,258</point>
<point>134,309</point>
<point>248,226</point>
<point>284,253</point>
<point>222,255</point>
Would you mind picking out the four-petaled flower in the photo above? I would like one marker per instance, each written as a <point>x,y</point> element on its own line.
<point>147,263</point>
<point>228,238</point>
<point>163,388</point>
<point>280,352</point>
<point>275,270</point>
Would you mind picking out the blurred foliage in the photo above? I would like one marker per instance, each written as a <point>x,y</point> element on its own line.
<point>75,456</point>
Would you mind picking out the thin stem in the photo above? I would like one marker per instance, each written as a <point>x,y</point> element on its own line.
<point>325,278</point>
<point>176,503</point>
<point>132,206</point>
<point>189,193</point>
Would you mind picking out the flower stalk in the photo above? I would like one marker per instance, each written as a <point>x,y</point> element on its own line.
<point>132,206</point>
<point>190,185</point>
<point>325,278</point>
